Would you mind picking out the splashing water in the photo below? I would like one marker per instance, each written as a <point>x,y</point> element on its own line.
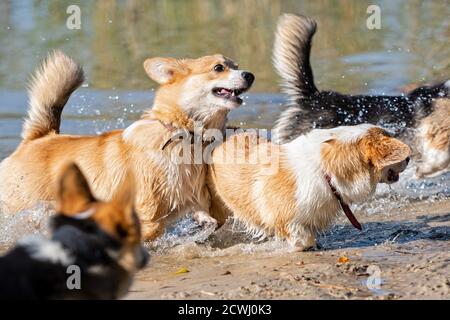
<point>87,115</point>
<point>31,221</point>
<point>188,239</point>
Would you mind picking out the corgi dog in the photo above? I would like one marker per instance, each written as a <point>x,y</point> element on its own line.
<point>99,240</point>
<point>192,91</point>
<point>316,176</point>
<point>309,108</point>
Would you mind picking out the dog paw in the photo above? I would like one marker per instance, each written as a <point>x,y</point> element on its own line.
<point>305,244</point>
<point>204,220</point>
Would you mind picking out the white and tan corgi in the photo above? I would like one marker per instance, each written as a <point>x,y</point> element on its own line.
<point>317,176</point>
<point>200,90</point>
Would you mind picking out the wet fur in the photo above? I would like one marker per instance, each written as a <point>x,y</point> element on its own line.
<point>293,201</point>
<point>165,189</point>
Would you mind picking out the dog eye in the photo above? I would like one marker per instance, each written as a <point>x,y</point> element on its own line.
<point>219,68</point>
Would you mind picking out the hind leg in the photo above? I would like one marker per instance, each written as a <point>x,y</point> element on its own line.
<point>217,208</point>
<point>153,220</point>
<point>151,230</point>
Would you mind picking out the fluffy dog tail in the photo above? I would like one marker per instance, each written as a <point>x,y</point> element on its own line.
<point>49,89</point>
<point>291,53</point>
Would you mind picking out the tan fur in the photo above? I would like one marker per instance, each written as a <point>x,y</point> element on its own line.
<point>433,139</point>
<point>49,91</point>
<point>267,200</point>
<point>248,189</point>
<point>438,123</point>
<point>164,188</point>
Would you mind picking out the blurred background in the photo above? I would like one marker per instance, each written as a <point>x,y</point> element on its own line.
<point>116,36</point>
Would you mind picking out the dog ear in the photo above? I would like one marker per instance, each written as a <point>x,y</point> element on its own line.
<point>387,151</point>
<point>73,195</point>
<point>163,70</point>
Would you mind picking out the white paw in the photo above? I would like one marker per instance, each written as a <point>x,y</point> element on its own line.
<point>205,220</point>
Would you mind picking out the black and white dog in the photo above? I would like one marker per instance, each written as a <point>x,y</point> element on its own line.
<point>310,108</point>
<point>98,242</point>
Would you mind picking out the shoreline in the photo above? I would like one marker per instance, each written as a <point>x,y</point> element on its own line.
<point>407,258</point>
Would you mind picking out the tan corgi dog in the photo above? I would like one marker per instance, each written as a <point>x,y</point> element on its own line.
<point>200,90</point>
<point>297,189</point>
<point>100,239</point>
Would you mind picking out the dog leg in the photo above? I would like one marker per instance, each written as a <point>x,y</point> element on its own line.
<point>303,240</point>
<point>201,215</point>
<point>151,226</point>
<point>205,220</point>
<point>217,208</point>
<point>151,230</point>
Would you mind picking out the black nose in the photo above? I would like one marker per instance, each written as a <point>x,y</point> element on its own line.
<point>249,77</point>
<point>407,160</point>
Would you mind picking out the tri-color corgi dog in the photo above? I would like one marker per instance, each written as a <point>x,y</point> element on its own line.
<point>101,241</point>
<point>191,91</point>
<point>311,108</point>
<point>317,176</point>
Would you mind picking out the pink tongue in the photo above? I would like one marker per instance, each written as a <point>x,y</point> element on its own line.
<point>224,91</point>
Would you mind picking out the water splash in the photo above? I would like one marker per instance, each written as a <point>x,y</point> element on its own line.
<point>31,221</point>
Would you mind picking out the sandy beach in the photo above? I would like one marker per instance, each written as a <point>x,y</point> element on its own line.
<point>400,254</point>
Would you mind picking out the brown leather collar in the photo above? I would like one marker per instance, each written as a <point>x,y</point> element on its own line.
<point>180,135</point>
<point>345,207</point>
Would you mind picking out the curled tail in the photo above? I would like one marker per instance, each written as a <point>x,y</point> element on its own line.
<point>49,89</point>
<point>291,53</point>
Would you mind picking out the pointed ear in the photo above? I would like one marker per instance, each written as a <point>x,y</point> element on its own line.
<point>162,70</point>
<point>125,196</point>
<point>73,195</point>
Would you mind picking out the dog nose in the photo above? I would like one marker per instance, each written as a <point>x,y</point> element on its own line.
<point>407,160</point>
<point>248,77</point>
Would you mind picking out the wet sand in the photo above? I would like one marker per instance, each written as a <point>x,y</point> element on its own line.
<point>403,253</point>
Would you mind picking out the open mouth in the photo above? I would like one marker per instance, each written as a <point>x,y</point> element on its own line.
<point>229,94</point>
<point>392,176</point>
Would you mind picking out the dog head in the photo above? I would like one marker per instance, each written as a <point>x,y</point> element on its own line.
<point>386,156</point>
<point>359,157</point>
<point>112,229</point>
<point>201,87</point>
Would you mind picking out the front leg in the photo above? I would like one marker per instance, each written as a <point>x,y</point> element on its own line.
<point>201,212</point>
<point>304,239</point>
<point>217,208</point>
<point>205,220</point>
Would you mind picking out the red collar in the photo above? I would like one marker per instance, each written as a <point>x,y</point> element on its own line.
<point>348,212</point>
